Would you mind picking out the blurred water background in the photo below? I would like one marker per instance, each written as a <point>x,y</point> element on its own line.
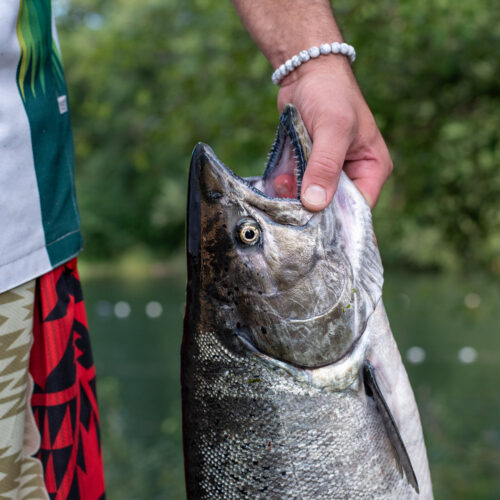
<point>447,330</point>
<point>149,78</point>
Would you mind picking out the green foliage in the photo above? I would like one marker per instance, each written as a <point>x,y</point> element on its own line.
<point>148,79</point>
<point>434,91</point>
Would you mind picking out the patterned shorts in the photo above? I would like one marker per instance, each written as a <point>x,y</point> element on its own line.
<point>49,422</point>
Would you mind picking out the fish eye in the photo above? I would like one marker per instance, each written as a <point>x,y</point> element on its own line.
<point>248,232</point>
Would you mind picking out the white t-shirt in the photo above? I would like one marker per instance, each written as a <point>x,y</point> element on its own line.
<point>39,221</point>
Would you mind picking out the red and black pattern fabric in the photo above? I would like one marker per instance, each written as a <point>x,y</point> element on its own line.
<point>64,398</point>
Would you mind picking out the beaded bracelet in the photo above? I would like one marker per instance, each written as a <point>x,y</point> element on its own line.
<point>324,49</point>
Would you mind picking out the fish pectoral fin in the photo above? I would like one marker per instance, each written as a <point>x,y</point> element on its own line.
<point>373,390</point>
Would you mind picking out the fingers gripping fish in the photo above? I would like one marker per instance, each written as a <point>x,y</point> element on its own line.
<point>292,383</point>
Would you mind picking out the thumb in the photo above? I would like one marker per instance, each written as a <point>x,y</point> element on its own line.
<point>324,167</point>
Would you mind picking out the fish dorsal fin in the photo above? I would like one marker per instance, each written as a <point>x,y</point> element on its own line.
<point>403,460</point>
<point>357,239</point>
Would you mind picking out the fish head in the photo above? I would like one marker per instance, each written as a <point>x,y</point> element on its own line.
<point>272,272</point>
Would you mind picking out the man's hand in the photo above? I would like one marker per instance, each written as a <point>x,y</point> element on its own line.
<point>325,92</point>
<point>342,129</point>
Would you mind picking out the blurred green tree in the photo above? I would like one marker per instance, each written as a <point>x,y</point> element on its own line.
<point>150,78</point>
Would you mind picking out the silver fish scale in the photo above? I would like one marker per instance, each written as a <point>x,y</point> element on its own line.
<point>269,437</point>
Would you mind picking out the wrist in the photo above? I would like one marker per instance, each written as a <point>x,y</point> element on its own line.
<point>331,64</point>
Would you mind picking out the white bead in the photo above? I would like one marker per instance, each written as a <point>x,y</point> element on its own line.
<point>304,56</point>
<point>344,48</point>
<point>335,47</point>
<point>314,52</point>
<point>325,48</point>
<point>283,71</point>
<point>350,51</point>
<point>276,78</point>
<point>296,61</point>
<point>289,65</point>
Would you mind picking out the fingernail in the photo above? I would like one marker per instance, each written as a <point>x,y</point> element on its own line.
<point>315,196</point>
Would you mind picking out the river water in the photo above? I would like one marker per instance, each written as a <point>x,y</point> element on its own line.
<point>447,329</point>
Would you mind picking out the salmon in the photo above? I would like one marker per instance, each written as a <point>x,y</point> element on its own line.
<point>292,383</point>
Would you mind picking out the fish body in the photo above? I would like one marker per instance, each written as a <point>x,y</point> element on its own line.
<point>292,383</point>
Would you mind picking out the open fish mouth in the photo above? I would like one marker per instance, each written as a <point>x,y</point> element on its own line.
<point>286,164</point>
<point>288,157</point>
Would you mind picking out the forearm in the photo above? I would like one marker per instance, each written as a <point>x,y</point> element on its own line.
<point>282,28</point>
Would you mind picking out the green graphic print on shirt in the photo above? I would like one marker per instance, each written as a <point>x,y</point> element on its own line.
<point>42,86</point>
